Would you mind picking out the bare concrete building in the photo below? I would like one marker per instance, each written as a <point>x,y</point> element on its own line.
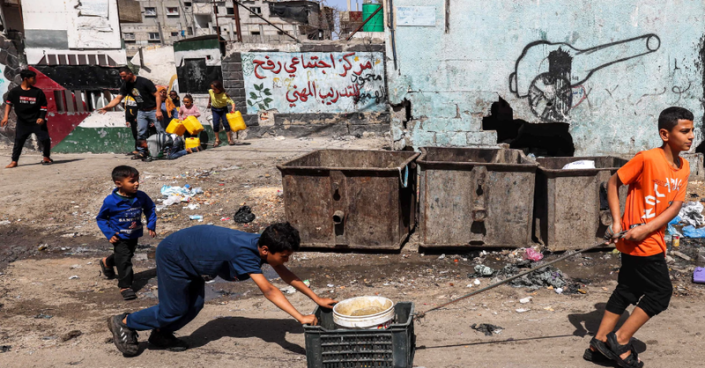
<point>166,21</point>
<point>163,22</point>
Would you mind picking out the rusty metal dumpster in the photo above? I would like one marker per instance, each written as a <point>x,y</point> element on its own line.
<point>475,197</point>
<point>351,198</point>
<point>571,210</point>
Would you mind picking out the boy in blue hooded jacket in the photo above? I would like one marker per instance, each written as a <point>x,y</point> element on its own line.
<point>120,219</point>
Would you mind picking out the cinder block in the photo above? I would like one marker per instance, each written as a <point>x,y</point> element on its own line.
<point>458,139</point>
<point>488,138</point>
<point>447,125</point>
<point>421,138</point>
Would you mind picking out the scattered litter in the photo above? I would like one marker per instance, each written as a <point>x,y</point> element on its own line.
<point>522,310</point>
<point>532,255</point>
<point>288,290</point>
<point>483,271</point>
<point>582,164</point>
<point>559,290</point>
<point>65,248</point>
<point>74,277</point>
<point>691,214</point>
<point>692,232</point>
<point>196,217</point>
<point>548,309</point>
<point>330,285</point>
<point>442,256</point>
<point>244,215</point>
<point>225,219</point>
<point>699,275</point>
<point>681,255</point>
<point>279,138</point>
<point>307,283</point>
<point>5,348</point>
<point>487,328</point>
<point>42,315</point>
<point>43,247</point>
<point>476,282</point>
<point>5,222</point>
<point>73,267</point>
<point>525,300</point>
<point>670,259</point>
<point>71,335</point>
<point>469,285</point>
<point>549,276</point>
<point>193,206</point>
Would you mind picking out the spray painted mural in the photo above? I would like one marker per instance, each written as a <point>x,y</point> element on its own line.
<point>551,74</point>
<point>314,82</point>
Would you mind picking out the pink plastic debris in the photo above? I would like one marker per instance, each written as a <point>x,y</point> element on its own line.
<point>533,255</point>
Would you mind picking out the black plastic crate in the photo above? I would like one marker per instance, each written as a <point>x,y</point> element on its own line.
<point>328,347</point>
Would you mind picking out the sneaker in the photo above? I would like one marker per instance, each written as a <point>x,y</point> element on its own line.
<point>125,338</point>
<point>167,340</point>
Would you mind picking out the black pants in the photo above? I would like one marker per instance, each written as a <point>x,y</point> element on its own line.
<point>644,282</point>
<point>121,259</point>
<point>24,130</point>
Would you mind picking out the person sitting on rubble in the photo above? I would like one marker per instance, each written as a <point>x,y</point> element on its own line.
<point>657,181</point>
<point>164,145</point>
<point>188,258</point>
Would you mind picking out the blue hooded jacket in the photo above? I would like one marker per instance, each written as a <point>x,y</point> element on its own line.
<point>123,217</point>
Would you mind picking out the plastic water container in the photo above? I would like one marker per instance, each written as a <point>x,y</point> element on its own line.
<point>192,142</point>
<point>382,315</point>
<point>192,125</point>
<point>237,123</point>
<point>176,127</point>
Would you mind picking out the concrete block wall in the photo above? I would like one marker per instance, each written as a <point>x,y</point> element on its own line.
<point>602,69</point>
<point>300,123</point>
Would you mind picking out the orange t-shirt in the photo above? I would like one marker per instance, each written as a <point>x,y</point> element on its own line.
<point>653,185</point>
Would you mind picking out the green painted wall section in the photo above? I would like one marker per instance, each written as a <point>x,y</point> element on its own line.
<point>105,140</point>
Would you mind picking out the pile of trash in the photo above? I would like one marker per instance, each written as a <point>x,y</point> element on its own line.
<point>692,218</point>
<point>174,194</point>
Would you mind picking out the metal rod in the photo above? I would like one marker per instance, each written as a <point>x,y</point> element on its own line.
<point>600,244</point>
<point>268,22</point>
<point>237,23</point>
<point>391,33</point>
<point>217,27</point>
<point>365,22</point>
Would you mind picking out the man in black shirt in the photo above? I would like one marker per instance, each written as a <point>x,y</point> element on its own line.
<point>145,94</point>
<point>30,105</point>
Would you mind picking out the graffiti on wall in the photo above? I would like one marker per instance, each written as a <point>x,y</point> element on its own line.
<point>550,74</point>
<point>336,82</point>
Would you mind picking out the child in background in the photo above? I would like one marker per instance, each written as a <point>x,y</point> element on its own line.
<point>188,109</point>
<point>168,109</point>
<point>174,97</point>
<point>120,219</point>
<point>218,102</point>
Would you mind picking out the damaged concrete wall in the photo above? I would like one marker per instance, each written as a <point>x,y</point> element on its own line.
<point>326,89</point>
<point>602,69</point>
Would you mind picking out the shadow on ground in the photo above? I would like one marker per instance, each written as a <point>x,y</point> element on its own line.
<point>269,330</point>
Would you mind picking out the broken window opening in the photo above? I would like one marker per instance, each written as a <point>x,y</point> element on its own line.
<point>403,111</point>
<point>540,139</point>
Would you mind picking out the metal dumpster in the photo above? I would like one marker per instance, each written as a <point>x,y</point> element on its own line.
<point>571,210</point>
<point>475,197</point>
<point>351,198</point>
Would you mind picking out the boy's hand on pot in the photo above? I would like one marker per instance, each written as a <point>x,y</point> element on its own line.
<point>326,302</point>
<point>309,320</point>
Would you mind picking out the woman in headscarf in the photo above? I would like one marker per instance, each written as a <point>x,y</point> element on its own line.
<point>168,108</point>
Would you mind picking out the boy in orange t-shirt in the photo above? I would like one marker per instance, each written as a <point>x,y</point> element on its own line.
<point>657,181</point>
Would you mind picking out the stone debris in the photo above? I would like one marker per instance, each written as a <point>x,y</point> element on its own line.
<point>487,328</point>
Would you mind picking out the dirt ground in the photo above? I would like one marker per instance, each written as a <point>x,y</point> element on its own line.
<point>41,301</point>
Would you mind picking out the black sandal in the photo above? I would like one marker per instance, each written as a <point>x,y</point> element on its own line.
<point>613,350</point>
<point>109,273</point>
<point>594,356</point>
<point>128,294</point>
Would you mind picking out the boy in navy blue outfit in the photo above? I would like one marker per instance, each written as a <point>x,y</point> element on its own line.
<point>120,219</point>
<point>188,258</point>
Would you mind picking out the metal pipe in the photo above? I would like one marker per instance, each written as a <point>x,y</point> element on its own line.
<point>338,217</point>
<point>268,22</point>
<point>237,23</point>
<point>365,22</point>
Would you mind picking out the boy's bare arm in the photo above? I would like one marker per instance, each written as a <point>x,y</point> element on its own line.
<point>293,280</point>
<point>613,200</point>
<point>640,233</point>
<point>275,296</point>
